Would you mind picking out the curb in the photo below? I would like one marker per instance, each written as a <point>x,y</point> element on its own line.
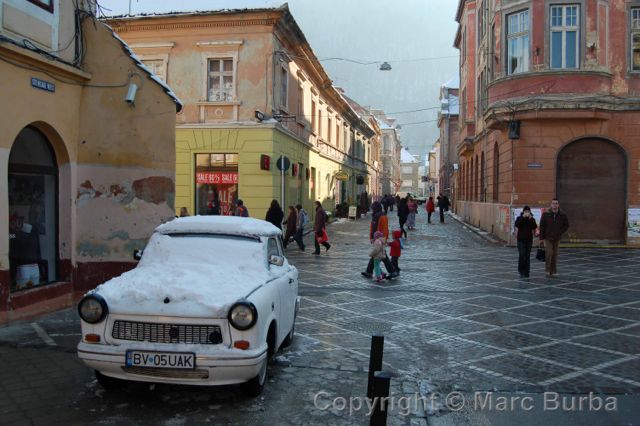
<point>483,234</point>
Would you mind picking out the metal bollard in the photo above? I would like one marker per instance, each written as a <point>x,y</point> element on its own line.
<point>375,360</point>
<point>381,383</point>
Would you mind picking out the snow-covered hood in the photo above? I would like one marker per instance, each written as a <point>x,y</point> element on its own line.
<point>199,276</point>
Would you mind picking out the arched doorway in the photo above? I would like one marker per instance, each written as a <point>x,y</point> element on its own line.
<point>591,188</point>
<point>33,211</point>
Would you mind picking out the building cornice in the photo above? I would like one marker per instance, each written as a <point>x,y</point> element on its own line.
<point>38,63</point>
<point>123,26</point>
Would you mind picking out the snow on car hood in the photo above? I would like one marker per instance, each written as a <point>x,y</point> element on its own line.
<point>202,275</point>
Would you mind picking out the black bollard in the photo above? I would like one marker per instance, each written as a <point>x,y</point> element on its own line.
<point>375,360</point>
<point>381,383</point>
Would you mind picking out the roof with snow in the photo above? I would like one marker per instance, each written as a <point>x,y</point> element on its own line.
<point>223,225</point>
<point>453,83</point>
<point>146,70</point>
<point>407,157</point>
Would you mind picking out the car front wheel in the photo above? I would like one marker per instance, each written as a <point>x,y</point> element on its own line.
<point>255,386</point>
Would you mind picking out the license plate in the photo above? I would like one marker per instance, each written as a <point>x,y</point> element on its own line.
<point>185,361</point>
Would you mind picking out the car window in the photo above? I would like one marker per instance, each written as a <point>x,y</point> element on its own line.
<point>272,248</point>
<point>280,249</point>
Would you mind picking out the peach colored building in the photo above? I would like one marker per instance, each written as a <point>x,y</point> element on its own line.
<point>87,176</point>
<point>550,107</point>
<point>254,92</point>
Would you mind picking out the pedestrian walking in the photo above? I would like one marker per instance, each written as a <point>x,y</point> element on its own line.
<point>526,226</point>
<point>386,202</point>
<point>379,222</point>
<point>184,212</point>
<point>396,249</point>
<point>275,215</point>
<point>413,211</point>
<point>394,200</point>
<point>553,224</point>
<point>378,253</point>
<point>403,215</point>
<point>302,218</point>
<point>291,222</point>
<point>320,230</point>
<point>443,205</point>
<point>431,207</point>
<point>240,209</point>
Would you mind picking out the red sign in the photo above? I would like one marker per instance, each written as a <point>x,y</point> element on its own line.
<point>228,178</point>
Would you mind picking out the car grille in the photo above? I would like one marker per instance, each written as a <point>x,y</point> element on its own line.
<point>166,333</point>
<point>166,372</point>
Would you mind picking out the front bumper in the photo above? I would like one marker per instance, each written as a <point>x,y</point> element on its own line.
<point>214,365</point>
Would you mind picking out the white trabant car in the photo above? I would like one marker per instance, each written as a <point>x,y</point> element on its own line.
<point>210,300</point>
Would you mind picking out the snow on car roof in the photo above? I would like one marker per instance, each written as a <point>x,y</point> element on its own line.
<point>226,225</point>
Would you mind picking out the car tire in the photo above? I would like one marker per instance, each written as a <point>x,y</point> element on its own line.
<point>109,383</point>
<point>289,339</point>
<point>255,386</point>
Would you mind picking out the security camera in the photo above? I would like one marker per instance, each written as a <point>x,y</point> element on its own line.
<point>131,94</point>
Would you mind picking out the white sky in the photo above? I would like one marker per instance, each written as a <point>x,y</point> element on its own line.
<point>414,36</point>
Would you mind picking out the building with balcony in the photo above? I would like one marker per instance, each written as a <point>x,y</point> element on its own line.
<point>87,154</point>
<point>254,92</point>
<point>550,107</point>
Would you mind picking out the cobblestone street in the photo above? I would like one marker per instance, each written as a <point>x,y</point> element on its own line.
<point>457,319</point>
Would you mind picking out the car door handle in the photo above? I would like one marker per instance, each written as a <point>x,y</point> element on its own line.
<point>290,280</point>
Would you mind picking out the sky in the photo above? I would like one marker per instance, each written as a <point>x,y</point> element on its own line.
<point>414,36</point>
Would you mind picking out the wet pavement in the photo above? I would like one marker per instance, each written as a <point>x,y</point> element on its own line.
<point>458,321</point>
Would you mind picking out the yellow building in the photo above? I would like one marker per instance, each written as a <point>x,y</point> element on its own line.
<point>253,92</point>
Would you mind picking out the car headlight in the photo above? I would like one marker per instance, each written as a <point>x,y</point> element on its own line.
<point>93,308</point>
<point>243,315</point>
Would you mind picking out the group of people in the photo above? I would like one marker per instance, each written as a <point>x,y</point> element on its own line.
<point>553,223</point>
<point>297,219</point>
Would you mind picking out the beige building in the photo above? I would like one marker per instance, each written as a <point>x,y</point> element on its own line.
<point>254,92</point>
<point>410,174</point>
<point>390,179</point>
<point>434,166</point>
<point>86,151</point>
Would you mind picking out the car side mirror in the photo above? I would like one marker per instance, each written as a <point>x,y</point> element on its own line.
<point>276,260</point>
<point>137,254</point>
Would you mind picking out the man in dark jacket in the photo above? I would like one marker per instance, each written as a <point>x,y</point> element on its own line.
<point>443,205</point>
<point>553,224</point>
<point>319,228</point>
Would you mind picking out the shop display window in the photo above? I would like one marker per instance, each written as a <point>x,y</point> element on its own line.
<point>216,183</point>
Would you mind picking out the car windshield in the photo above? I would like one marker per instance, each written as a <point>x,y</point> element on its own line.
<point>221,250</point>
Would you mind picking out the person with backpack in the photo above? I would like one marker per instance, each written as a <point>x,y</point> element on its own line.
<point>240,209</point>
<point>320,231</point>
<point>302,219</point>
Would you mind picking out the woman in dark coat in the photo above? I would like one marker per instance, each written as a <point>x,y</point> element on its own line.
<point>291,225</point>
<point>403,214</point>
<point>319,229</point>
<point>275,214</point>
<point>526,226</point>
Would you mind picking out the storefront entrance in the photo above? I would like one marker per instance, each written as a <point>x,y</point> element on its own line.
<point>591,189</point>
<point>216,183</point>
<point>33,211</point>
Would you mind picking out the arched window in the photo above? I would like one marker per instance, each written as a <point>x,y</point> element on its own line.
<point>33,215</point>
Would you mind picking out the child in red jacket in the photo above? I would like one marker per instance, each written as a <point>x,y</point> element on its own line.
<point>396,249</point>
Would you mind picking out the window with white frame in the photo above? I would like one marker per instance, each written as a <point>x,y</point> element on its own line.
<point>518,42</point>
<point>156,66</point>
<point>45,4</point>
<point>564,36</point>
<point>635,39</point>
<point>284,87</point>
<point>220,80</point>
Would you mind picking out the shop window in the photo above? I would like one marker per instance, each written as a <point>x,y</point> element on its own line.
<point>216,183</point>
<point>32,180</point>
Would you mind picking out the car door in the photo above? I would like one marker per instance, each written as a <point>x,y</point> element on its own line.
<point>290,291</point>
<point>279,284</point>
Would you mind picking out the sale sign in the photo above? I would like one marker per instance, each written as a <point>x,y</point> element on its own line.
<point>228,178</point>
